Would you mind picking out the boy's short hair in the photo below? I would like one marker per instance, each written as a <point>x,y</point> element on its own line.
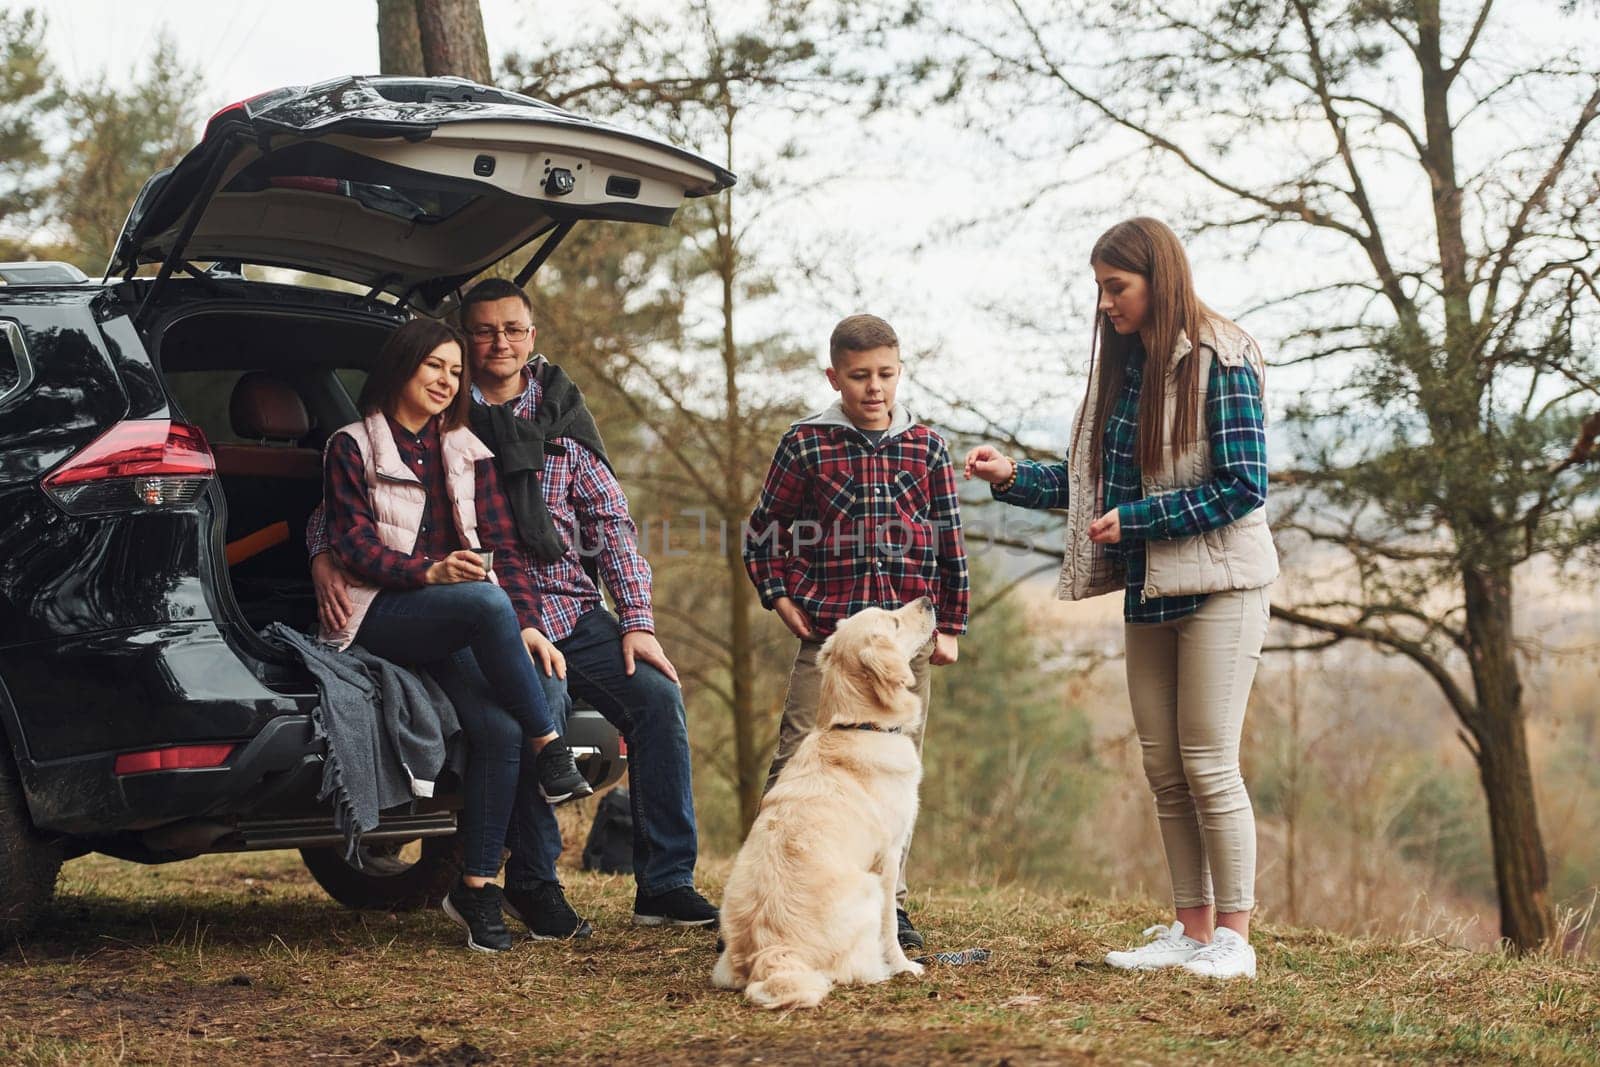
<point>861,333</point>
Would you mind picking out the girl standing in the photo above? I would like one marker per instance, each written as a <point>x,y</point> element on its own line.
<point>411,495</point>
<point>1164,485</point>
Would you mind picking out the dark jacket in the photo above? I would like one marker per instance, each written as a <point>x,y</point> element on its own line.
<point>520,445</point>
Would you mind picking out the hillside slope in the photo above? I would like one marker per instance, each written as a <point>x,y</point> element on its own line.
<point>241,959</point>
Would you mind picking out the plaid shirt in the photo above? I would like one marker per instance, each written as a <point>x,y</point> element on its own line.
<point>1236,436</point>
<point>843,524</point>
<point>353,528</point>
<point>589,509</point>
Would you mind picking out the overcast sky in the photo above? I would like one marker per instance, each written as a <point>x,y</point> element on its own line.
<point>245,47</point>
<point>892,185</point>
<point>242,46</point>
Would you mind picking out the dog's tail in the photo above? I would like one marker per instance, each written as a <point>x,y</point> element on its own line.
<point>782,980</point>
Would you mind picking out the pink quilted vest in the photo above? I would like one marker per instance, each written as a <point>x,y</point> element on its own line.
<point>399,500</point>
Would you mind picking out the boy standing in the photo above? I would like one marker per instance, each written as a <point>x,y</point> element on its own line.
<point>859,510</point>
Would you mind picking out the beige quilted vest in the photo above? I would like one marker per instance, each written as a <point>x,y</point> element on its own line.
<point>399,500</point>
<point>1240,555</point>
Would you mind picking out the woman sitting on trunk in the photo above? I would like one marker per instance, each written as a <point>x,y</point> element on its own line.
<point>413,501</point>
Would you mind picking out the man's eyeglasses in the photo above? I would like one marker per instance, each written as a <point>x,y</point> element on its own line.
<point>486,334</point>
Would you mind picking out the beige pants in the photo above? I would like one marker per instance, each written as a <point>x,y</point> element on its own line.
<point>800,718</point>
<point>1189,681</point>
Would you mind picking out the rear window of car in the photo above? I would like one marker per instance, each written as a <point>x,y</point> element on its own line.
<point>203,396</point>
<point>352,379</point>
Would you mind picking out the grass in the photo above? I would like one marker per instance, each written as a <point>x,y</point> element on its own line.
<point>242,959</point>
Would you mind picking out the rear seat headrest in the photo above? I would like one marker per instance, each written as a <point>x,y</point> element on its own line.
<point>266,408</point>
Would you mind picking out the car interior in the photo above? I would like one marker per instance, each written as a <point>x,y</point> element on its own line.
<point>267,388</point>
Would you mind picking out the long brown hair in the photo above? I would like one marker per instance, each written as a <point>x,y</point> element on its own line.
<point>399,359</point>
<point>1148,247</point>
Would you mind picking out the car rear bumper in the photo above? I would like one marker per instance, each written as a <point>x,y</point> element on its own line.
<point>83,795</point>
<point>263,796</point>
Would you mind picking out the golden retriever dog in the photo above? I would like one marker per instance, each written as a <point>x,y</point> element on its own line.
<point>810,902</point>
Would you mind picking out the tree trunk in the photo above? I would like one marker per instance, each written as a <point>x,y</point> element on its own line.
<point>1499,730</point>
<point>1521,872</point>
<point>1439,160</point>
<point>399,42</point>
<point>748,762</point>
<point>741,645</point>
<point>453,41</point>
<point>1291,808</point>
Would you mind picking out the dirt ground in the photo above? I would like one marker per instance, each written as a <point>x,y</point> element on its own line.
<point>242,959</point>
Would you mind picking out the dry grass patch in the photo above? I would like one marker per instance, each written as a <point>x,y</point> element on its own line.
<point>241,959</point>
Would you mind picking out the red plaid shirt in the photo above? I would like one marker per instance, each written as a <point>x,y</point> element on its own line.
<point>588,507</point>
<point>352,528</point>
<point>844,525</point>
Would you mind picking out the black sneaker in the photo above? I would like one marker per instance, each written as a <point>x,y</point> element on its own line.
<point>545,912</point>
<point>478,912</point>
<point>676,907</point>
<point>559,777</point>
<point>905,933</point>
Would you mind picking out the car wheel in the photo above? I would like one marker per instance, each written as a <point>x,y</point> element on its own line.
<point>394,875</point>
<point>29,861</point>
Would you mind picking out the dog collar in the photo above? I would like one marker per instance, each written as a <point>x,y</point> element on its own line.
<point>864,726</point>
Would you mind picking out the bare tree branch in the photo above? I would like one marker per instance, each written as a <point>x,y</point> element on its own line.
<point>1533,202</point>
<point>1583,450</point>
<point>1466,49</point>
<point>1457,697</point>
<point>1293,208</point>
<point>1005,590</point>
<point>1372,243</point>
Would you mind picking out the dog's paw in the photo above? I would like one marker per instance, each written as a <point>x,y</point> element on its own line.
<point>910,967</point>
<point>722,976</point>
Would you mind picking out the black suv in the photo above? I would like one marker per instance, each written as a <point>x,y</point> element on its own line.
<point>160,442</point>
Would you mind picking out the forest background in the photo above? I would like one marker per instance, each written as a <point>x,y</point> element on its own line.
<point>948,168</point>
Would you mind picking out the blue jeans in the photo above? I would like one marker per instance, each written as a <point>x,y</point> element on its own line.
<point>496,770</point>
<point>449,629</point>
<point>647,708</point>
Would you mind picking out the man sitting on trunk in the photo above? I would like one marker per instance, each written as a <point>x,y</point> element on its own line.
<point>567,503</point>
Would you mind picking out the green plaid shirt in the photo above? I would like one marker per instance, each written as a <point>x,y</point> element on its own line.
<point>1236,435</point>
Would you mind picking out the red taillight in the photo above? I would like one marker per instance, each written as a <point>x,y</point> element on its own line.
<point>138,463</point>
<point>139,446</point>
<point>221,111</point>
<point>241,106</point>
<point>179,757</point>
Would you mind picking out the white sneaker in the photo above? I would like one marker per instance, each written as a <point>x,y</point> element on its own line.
<point>1228,956</point>
<point>1168,947</point>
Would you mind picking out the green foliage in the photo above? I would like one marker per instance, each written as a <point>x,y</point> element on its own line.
<point>1443,825</point>
<point>1436,443</point>
<point>27,95</point>
<point>1008,769</point>
<point>605,292</point>
<point>1570,799</point>
<point>117,140</point>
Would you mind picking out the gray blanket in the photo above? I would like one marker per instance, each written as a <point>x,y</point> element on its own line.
<point>387,729</point>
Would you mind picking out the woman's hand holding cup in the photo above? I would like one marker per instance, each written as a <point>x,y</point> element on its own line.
<point>462,565</point>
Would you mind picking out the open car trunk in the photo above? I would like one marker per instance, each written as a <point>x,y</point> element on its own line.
<point>408,186</point>
<point>267,386</point>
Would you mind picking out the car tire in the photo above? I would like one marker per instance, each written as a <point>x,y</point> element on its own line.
<point>390,879</point>
<point>29,862</point>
